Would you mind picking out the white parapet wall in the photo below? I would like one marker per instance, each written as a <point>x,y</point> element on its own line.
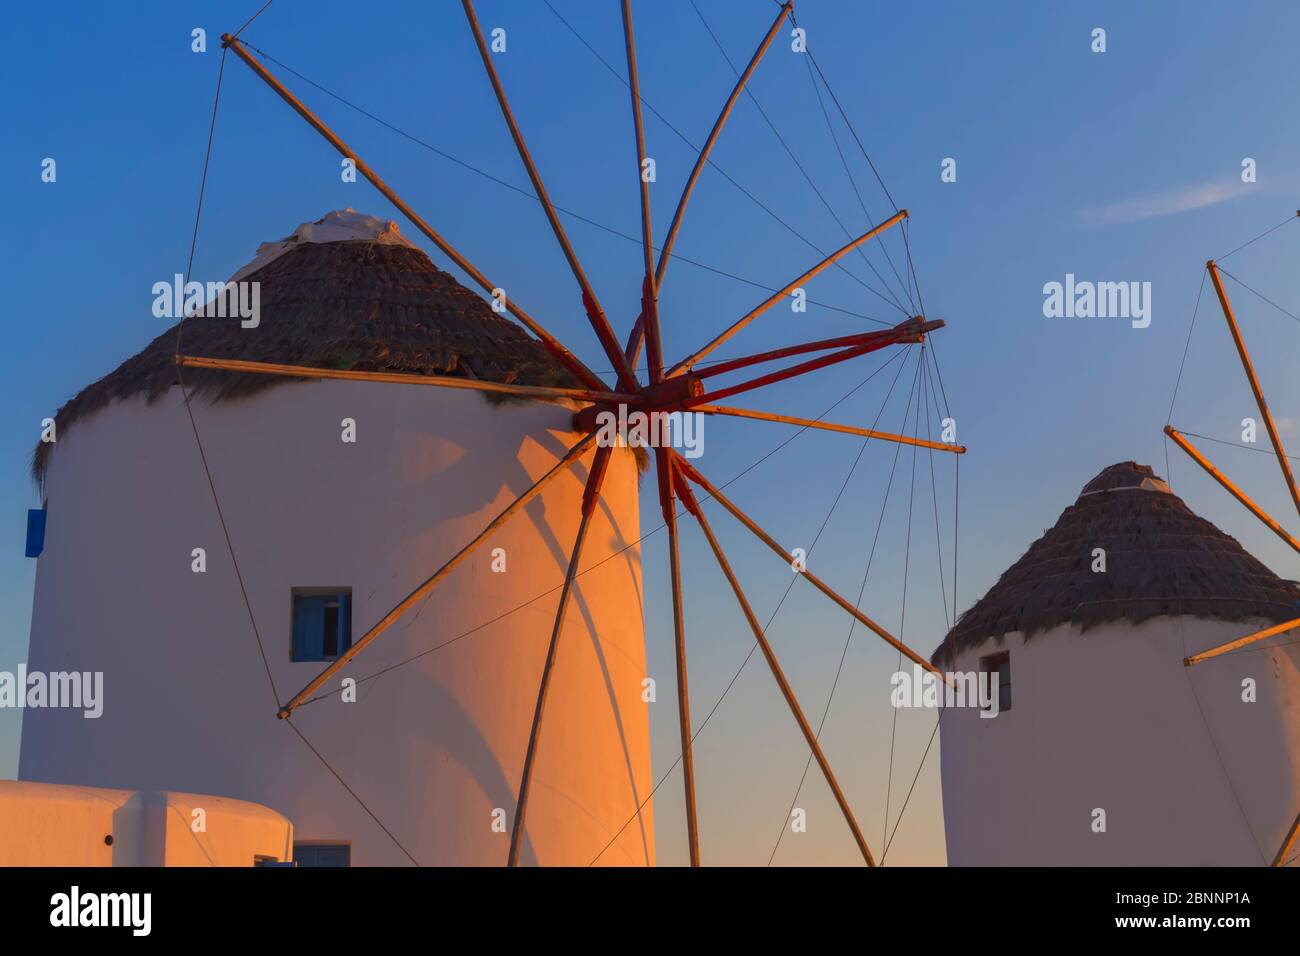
<point>44,824</point>
<point>433,746</point>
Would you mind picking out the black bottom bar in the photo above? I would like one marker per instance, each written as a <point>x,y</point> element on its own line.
<point>472,909</point>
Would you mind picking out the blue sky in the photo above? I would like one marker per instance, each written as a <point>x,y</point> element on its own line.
<point>1119,166</point>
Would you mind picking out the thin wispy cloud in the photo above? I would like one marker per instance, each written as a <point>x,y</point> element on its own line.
<point>1169,203</point>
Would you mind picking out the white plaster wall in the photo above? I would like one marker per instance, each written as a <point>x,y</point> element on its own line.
<point>433,746</point>
<point>55,825</point>
<point>1108,719</point>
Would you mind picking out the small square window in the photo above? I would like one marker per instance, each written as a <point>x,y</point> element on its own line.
<point>322,623</point>
<point>998,667</point>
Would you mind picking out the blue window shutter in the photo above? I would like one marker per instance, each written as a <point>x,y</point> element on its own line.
<point>345,622</point>
<point>35,532</point>
<point>308,627</point>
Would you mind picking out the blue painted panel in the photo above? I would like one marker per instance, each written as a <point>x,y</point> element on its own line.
<point>322,854</point>
<point>308,627</point>
<point>345,622</point>
<point>35,532</point>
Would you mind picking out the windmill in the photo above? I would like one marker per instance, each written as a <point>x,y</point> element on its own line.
<point>668,387</point>
<point>1180,438</point>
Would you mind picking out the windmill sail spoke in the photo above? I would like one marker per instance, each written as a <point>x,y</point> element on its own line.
<point>552,344</point>
<point>910,332</point>
<point>692,505</point>
<point>664,466</point>
<point>590,496</point>
<point>665,255</point>
<point>887,336</point>
<point>690,360</point>
<point>1237,340</point>
<point>803,368</point>
<point>595,314</point>
<point>649,320</point>
<point>410,600</point>
<point>1288,842</point>
<point>828,426</point>
<point>634,339</point>
<point>400,378</point>
<point>1232,489</point>
<point>1240,642</point>
<point>691,472</point>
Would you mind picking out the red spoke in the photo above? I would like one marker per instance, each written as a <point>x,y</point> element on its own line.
<point>663,464</point>
<point>906,332</point>
<point>915,333</point>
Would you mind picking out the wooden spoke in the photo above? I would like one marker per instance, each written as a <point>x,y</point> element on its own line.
<point>402,378</point>
<point>1289,840</point>
<point>665,255</point>
<point>691,472</point>
<point>595,313</point>
<point>1288,843</point>
<point>1254,383</point>
<point>1221,649</point>
<point>827,426</point>
<point>409,601</point>
<point>553,345</point>
<point>692,505</point>
<point>634,339</point>
<point>663,466</point>
<point>1231,488</point>
<point>649,321</point>
<point>686,363</point>
<point>590,496</point>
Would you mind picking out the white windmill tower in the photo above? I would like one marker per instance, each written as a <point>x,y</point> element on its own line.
<point>339,497</point>
<point>1106,748</point>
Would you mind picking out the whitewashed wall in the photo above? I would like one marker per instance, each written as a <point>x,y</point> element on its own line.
<point>433,746</point>
<point>55,825</point>
<point>1107,719</point>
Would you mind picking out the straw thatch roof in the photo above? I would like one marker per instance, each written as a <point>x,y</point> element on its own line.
<point>372,304</point>
<point>1161,559</point>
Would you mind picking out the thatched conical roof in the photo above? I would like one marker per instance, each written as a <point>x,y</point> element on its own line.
<point>1161,559</point>
<point>344,292</point>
